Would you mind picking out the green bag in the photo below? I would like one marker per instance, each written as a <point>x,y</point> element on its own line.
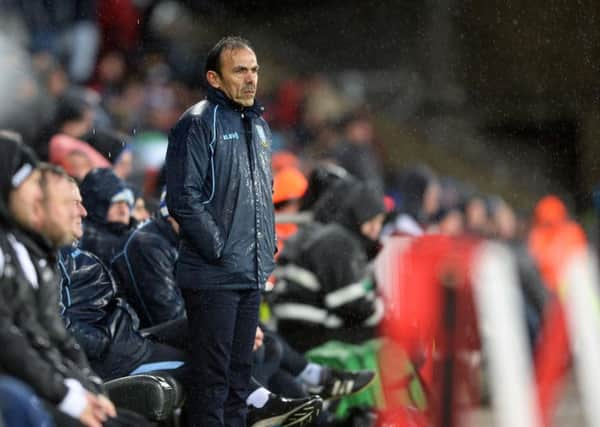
<point>352,357</point>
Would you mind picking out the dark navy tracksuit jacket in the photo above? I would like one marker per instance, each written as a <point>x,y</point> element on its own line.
<point>219,190</point>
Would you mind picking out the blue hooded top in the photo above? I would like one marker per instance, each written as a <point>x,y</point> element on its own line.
<point>99,189</point>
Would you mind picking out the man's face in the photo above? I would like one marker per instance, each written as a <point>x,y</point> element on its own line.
<point>140,212</point>
<point>119,212</point>
<point>79,213</point>
<point>372,227</point>
<point>59,210</point>
<point>25,203</point>
<point>238,78</point>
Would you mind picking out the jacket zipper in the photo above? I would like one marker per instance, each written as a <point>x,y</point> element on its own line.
<point>249,145</point>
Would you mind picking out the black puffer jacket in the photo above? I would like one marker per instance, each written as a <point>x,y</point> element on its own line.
<point>105,325</point>
<point>219,189</point>
<point>35,345</point>
<point>145,271</point>
<point>324,290</point>
<point>100,237</point>
<point>45,261</point>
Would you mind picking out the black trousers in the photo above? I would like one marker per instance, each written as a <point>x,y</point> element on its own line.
<point>291,364</point>
<point>222,327</point>
<point>267,360</point>
<point>169,349</point>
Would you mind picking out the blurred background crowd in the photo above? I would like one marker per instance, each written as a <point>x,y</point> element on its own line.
<point>422,87</point>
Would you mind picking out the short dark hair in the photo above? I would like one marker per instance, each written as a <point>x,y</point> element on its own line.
<point>51,169</point>
<point>213,59</point>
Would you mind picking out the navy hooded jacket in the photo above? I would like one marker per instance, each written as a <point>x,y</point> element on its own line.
<point>145,271</point>
<point>219,190</point>
<point>100,237</point>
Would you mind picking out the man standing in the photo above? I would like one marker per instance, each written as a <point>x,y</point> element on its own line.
<point>219,187</point>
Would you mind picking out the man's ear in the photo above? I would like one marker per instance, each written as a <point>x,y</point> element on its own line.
<point>213,79</point>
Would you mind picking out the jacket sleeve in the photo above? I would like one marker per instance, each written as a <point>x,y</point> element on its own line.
<point>346,290</point>
<point>94,341</point>
<point>153,269</point>
<point>190,184</point>
<point>19,358</point>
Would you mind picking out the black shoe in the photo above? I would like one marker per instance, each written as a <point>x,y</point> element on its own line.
<point>279,411</point>
<point>338,384</point>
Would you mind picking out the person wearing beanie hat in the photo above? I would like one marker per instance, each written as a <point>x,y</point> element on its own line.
<point>324,291</point>
<point>109,202</point>
<point>284,159</point>
<point>19,180</point>
<point>75,156</point>
<point>289,186</point>
<point>356,206</point>
<point>417,193</point>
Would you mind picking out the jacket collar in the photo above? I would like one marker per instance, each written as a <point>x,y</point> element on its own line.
<point>38,245</point>
<point>217,96</point>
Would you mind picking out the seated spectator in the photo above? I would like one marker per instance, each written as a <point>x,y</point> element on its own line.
<point>145,269</point>
<point>37,348</point>
<point>448,221</point>
<point>108,201</point>
<point>418,198</point>
<point>321,179</point>
<point>477,221</point>
<point>75,156</point>
<point>105,325</point>
<point>323,291</point>
<point>140,212</point>
<point>289,186</point>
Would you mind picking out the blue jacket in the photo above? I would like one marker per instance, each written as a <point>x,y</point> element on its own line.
<point>100,237</point>
<point>145,271</point>
<point>104,325</point>
<point>219,189</point>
